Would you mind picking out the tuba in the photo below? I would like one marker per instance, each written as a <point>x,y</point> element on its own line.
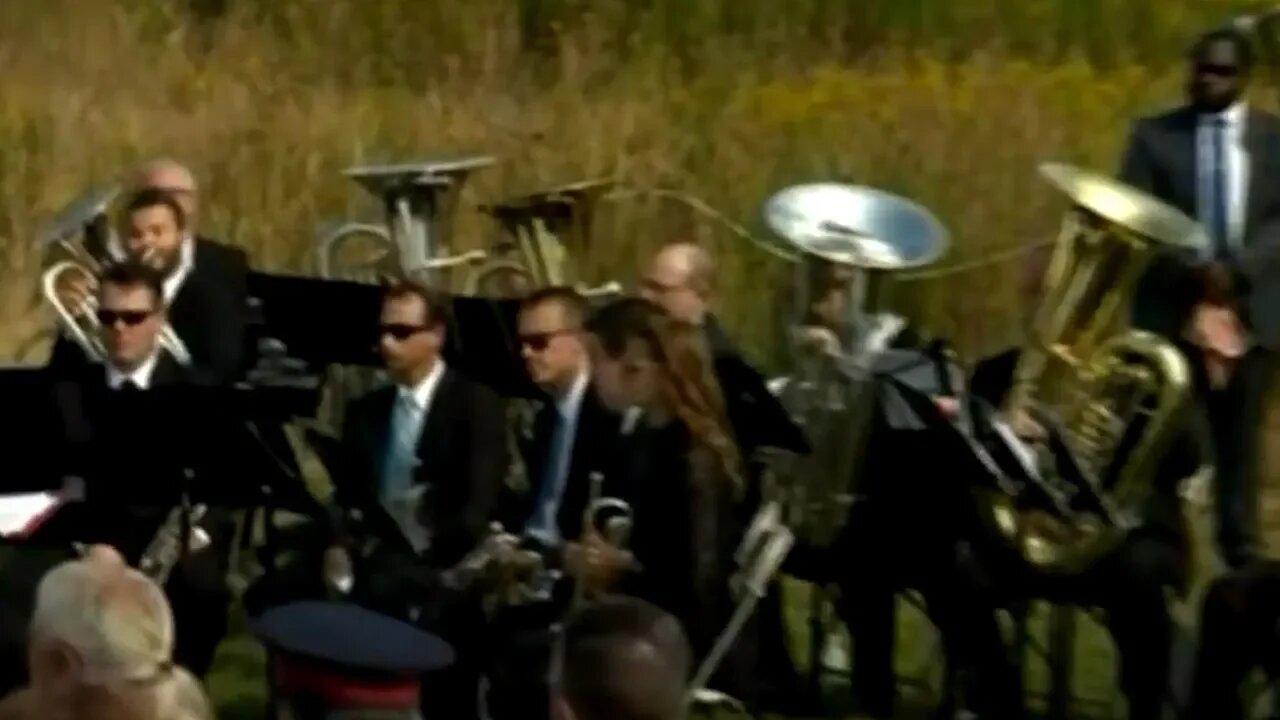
<point>1094,404</point>
<point>83,233</point>
<point>420,201</point>
<point>542,232</point>
<point>843,240</point>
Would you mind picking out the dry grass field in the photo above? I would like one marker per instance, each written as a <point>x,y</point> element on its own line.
<point>950,103</point>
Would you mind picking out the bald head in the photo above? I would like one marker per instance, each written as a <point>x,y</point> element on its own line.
<point>176,179</point>
<point>681,278</point>
<point>624,659</point>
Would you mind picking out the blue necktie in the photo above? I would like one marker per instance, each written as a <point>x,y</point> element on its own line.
<point>1219,225</point>
<point>402,449</point>
<point>543,523</point>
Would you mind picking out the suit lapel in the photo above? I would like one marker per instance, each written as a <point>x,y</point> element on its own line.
<point>1255,147</point>
<point>379,432</point>
<point>435,426</point>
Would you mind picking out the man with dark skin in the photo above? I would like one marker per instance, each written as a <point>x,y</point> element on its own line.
<point>1214,159</point>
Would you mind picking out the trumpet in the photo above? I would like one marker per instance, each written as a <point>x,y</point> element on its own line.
<point>166,547</point>
<point>618,519</point>
<point>82,231</point>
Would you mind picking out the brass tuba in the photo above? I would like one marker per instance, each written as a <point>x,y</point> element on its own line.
<point>420,201</point>
<point>843,240</point>
<point>83,233</point>
<point>543,232</point>
<point>1094,405</point>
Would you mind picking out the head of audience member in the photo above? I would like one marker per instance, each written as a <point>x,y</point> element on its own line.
<point>622,659</point>
<point>681,279</point>
<point>1221,64</point>
<point>154,229</point>
<point>411,331</point>
<point>551,342</point>
<point>131,311</point>
<point>101,645</point>
<point>174,178</point>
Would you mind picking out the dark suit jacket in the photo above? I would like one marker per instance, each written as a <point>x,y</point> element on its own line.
<point>1161,159</point>
<point>758,419</point>
<point>210,313</point>
<point>594,442</point>
<point>463,454</point>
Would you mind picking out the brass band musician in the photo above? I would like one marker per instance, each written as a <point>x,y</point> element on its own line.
<point>204,283</point>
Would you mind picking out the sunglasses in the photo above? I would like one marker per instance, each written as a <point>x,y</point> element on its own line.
<point>1217,70</point>
<point>130,318</point>
<point>400,331</point>
<point>538,342</point>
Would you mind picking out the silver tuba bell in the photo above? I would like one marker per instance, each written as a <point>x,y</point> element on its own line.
<point>83,233</point>
<point>843,240</point>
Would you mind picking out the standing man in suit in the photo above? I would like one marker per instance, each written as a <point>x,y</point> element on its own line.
<point>425,462</point>
<point>1215,159</point>
<point>205,282</point>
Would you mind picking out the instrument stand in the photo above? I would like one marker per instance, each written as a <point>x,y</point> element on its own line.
<point>550,225</point>
<point>419,199</point>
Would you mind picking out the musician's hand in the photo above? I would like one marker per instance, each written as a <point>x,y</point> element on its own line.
<point>1217,330</point>
<point>74,293</point>
<point>595,562</point>
<point>947,405</point>
<point>338,569</point>
<point>818,340</point>
<point>1024,426</point>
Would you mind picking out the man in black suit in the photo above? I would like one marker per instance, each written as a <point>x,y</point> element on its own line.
<point>205,283</point>
<point>425,461</point>
<point>572,436</point>
<point>1215,159</point>
<point>103,429</point>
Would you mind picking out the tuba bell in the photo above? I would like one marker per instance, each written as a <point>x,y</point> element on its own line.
<point>82,233</point>
<point>1093,405</point>
<point>843,240</point>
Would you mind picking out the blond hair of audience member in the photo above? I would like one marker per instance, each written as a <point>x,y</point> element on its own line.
<point>100,648</point>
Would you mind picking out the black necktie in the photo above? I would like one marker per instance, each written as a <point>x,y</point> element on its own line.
<point>128,386</point>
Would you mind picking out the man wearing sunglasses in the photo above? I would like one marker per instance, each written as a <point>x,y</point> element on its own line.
<point>204,283</point>
<point>571,437</point>
<point>114,436</point>
<point>1217,159</point>
<point>424,462</point>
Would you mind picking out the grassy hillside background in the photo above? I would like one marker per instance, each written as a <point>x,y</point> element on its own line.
<point>950,103</point>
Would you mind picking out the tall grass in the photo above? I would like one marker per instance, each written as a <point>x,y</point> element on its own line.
<point>952,104</point>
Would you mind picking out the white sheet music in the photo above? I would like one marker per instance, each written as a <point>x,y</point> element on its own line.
<point>21,514</point>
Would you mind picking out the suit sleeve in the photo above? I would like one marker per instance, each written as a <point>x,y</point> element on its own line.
<point>487,463</point>
<point>1137,168</point>
<point>66,359</point>
<point>228,317</point>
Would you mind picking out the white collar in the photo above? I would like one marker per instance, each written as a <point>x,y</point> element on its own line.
<point>186,263</point>
<point>1233,116</point>
<point>570,402</point>
<point>141,375</point>
<point>420,395</point>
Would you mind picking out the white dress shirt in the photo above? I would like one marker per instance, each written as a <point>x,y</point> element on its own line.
<point>542,524</point>
<point>1236,158</point>
<point>186,263</point>
<point>400,496</point>
<point>140,376</point>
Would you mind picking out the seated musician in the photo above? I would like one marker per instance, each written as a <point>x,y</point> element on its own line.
<point>132,312</point>
<point>101,646</point>
<point>679,471</point>
<point>622,659</point>
<point>1130,584</point>
<point>205,282</point>
<point>424,461</point>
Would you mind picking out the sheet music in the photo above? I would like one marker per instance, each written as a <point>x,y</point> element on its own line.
<point>22,513</point>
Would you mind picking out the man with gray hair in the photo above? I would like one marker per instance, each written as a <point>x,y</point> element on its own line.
<point>101,646</point>
<point>622,659</point>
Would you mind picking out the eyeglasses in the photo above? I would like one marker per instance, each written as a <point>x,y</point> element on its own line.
<point>1217,69</point>
<point>400,331</point>
<point>130,318</point>
<point>538,342</point>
